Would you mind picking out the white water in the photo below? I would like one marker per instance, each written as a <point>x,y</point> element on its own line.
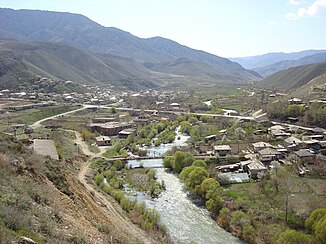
<point>184,220</point>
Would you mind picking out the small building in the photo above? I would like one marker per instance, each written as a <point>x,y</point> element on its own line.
<point>175,105</point>
<point>103,140</point>
<point>312,144</point>
<point>256,169</point>
<point>110,128</point>
<point>228,168</point>
<point>142,120</point>
<point>105,119</point>
<point>211,138</point>
<point>222,150</point>
<point>305,156</point>
<point>267,155</point>
<point>126,132</point>
<point>293,144</point>
<point>260,146</point>
<point>295,101</point>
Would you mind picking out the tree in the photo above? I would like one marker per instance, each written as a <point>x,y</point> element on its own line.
<point>320,230</point>
<point>182,160</point>
<point>295,110</point>
<point>196,177</point>
<point>86,134</point>
<point>199,163</point>
<point>185,127</point>
<point>214,205</point>
<point>224,218</point>
<point>113,110</point>
<point>193,120</point>
<point>208,188</point>
<point>185,173</point>
<point>293,237</point>
<point>312,221</point>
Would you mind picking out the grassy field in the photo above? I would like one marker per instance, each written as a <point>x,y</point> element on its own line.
<point>30,116</point>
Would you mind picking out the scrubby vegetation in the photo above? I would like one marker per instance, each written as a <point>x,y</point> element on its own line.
<point>115,177</point>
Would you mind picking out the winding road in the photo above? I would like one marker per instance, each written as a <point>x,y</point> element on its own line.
<point>120,222</point>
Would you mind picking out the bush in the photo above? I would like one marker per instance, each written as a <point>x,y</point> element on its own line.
<point>99,179</point>
<point>104,228</point>
<point>293,237</point>
<point>14,218</point>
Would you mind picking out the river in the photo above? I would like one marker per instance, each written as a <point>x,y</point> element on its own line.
<point>185,220</point>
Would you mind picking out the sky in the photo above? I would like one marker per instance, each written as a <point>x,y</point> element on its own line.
<point>227,28</point>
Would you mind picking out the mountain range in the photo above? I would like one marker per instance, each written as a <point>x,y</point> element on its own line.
<point>73,47</point>
<point>293,78</point>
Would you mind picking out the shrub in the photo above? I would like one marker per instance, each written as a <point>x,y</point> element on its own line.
<point>104,228</point>
<point>293,237</point>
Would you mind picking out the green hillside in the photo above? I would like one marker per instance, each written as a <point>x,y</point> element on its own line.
<point>21,61</point>
<point>83,33</point>
<point>283,65</point>
<point>314,89</point>
<point>293,78</point>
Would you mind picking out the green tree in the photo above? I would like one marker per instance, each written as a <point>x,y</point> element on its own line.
<point>248,233</point>
<point>193,120</point>
<point>224,218</point>
<point>181,160</point>
<point>196,177</point>
<point>295,110</point>
<point>86,134</point>
<point>208,188</point>
<point>314,218</point>
<point>293,237</point>
<point>199,163</point>
<point>168,162</point>
<point>185,173</point>
<point>320,230</point>
<point>185,127</point>
<point>215,204</point>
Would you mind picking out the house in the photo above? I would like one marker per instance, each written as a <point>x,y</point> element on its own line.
<point>105,119</point>
<point>228,168</point>
<point>256,169</point>
<point>205,149</point>
<point>305,156</point>
<point>103,140</point>
<point>211,138</point>
<point>126,132</point>
<point>260,146</point>
<point>175,106</point>
<point>295,101</point>
<point>269,154</point>
<point>312,144</point>
<point>278,131</point>
<point>110,128</point>
<point>293,144</point>
<point>142,120</point>
<point>222,150</point>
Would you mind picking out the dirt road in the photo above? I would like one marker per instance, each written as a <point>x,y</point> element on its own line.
<point>116,217</point>
<point>120,222</point>
<point>38,123</point>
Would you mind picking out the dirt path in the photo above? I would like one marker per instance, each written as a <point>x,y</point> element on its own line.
<point>120,222</point>
<point>38,123</point>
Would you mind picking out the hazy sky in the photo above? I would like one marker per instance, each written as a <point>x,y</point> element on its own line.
<point>228,28</point>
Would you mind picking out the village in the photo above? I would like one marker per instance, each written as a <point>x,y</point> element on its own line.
<point>268,145</point>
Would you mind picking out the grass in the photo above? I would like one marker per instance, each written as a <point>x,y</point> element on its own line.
<point>111,153</point>
<point>30,116</point>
